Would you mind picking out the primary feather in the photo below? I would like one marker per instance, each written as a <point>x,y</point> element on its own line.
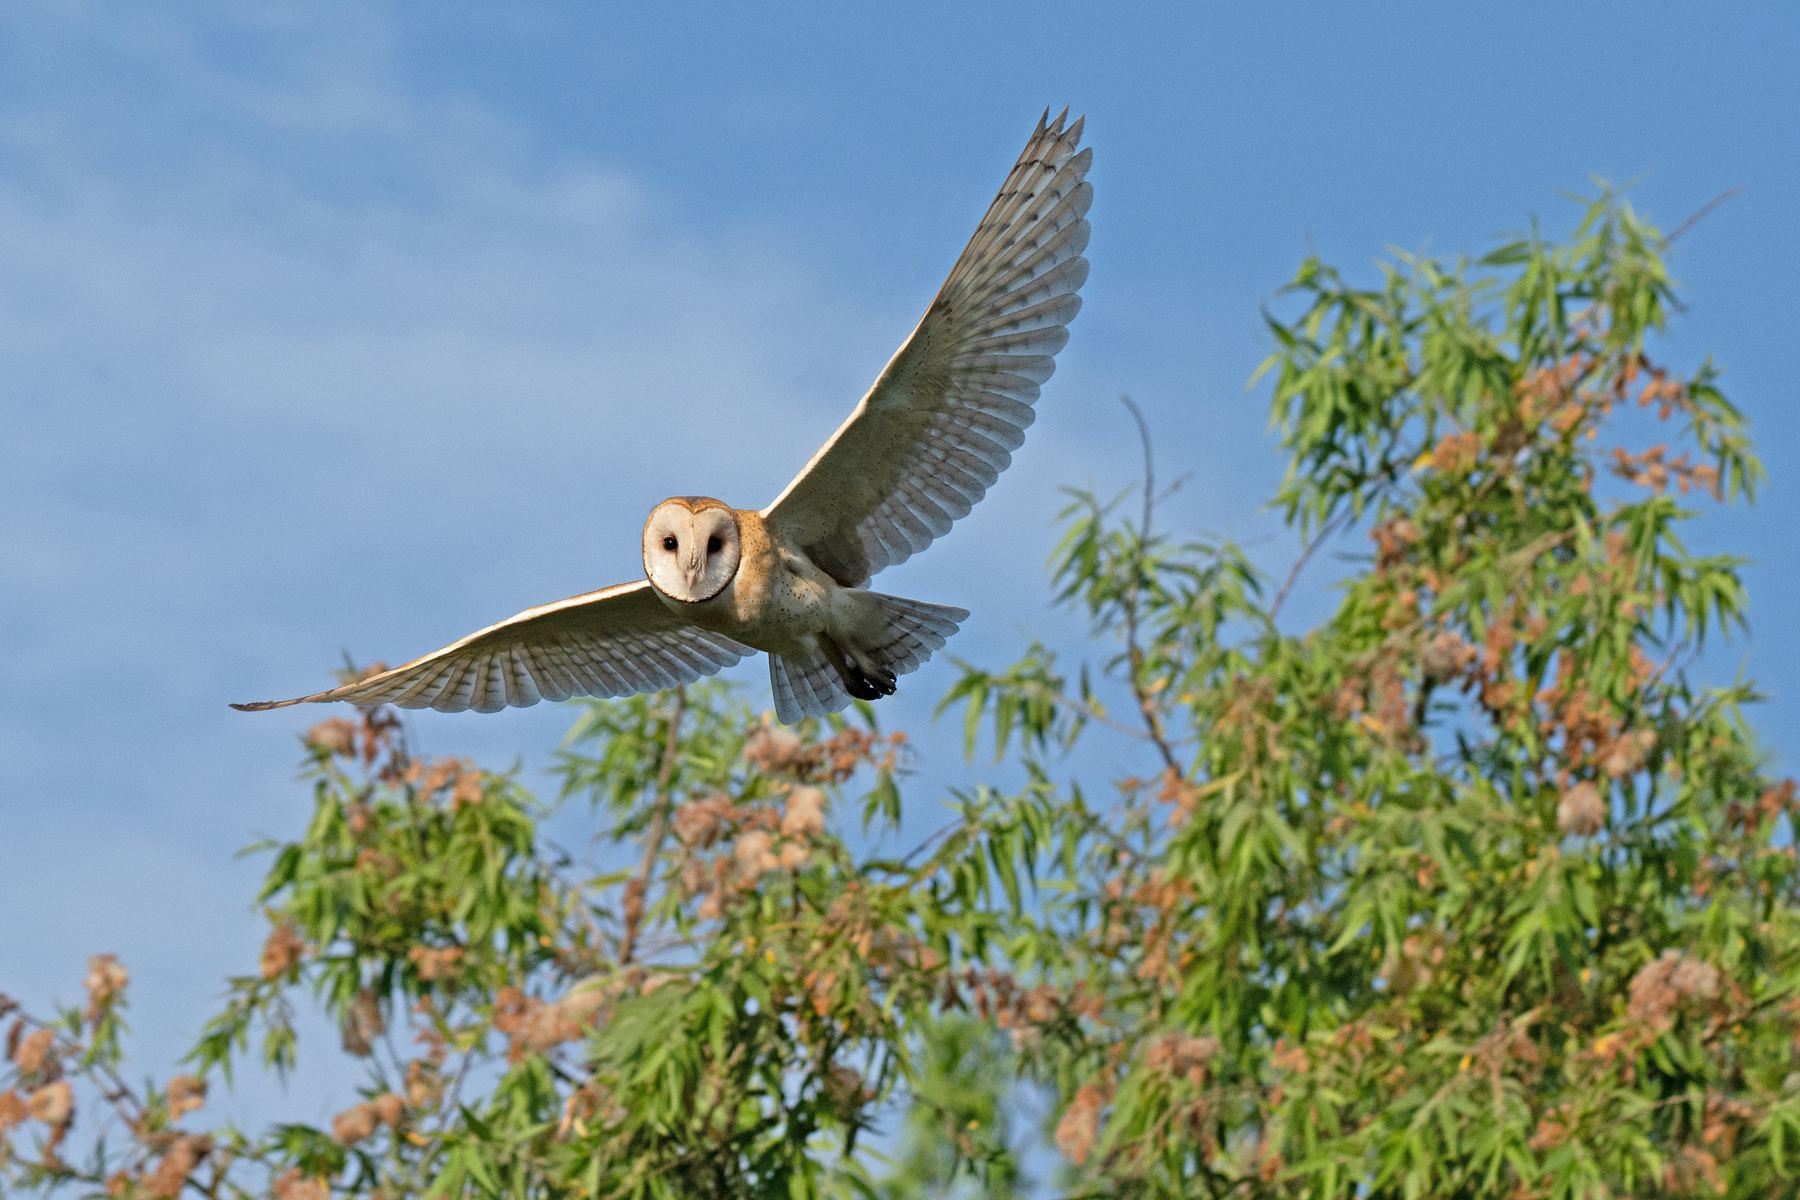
<point>612,642</point>
<point>942,421</point>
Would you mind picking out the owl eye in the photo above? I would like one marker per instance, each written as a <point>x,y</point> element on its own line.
<point>713,544</point>
<point>670,544</point>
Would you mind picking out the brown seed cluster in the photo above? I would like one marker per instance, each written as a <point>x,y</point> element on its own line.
<point>1413,964</point>
<point>53,1104</point>
<point>1653,469</point>
<point>39,1057</point>
<point>586,1104</point>
<point>1554,1128</point>
<point>170,1175</point>
<point>1774,801</point>
<point>424,1083</point>
<point>354,1125</point>
<point>186,1094</point>
<point>1663,984</point>
<point>295,1184</point>
<point>436,963</point>
<point>1393,540</point>
<point>362,1023</point>
<point>533,1026</point>
<point>333,736</point>
<point>752,839</point>
<point>459,778</point>
<point>778,751</point>
<point>1456,453</point>
<point>1581,811</point>
<point>366,739</point>
<point>105,983</point>
<point>1024,1013</point>
<point>282,953</point>
<point>32,1053</point>
<point>1445,656</point>
<point>13,1110</point>
<point>1079,1127</point>
<point>1180,1056</point>
<point>844,1087</point>
<point>804,815</point>
<point>730,847</point>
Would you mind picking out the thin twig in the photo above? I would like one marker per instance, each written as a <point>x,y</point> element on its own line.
<point>1149,465</point>
<point>1135,653</point>
<point>448,1112</point>
<point>659,828</point>
<point>951,827</point>
<point>1085,710</point>
<point>1722,197</point>
<point>1329,528</point>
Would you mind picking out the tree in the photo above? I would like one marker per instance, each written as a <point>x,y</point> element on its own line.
<point>1467,891</point>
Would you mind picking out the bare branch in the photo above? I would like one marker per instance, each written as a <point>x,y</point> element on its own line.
<point>1330,527</point>
<point>1085,710</point>
<point>1722,197</point>
<point>659,828</point>
<point>1149,465</point>
<point>1146,702</point>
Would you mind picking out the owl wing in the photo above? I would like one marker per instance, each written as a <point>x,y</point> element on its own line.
<point>612,642</point>
<point>941,422</point>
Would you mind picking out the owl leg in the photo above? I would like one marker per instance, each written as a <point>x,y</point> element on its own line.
<point>897,639</point>
<point>863,677</point>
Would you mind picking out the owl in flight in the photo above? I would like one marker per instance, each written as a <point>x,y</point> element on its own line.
<point>921,448</point>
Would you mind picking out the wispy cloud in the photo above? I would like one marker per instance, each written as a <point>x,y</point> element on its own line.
<point>296,358</point>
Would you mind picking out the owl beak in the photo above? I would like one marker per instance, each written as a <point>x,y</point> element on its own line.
<point>694,570</point>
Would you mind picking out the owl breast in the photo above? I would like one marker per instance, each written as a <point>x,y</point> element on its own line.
<point>778,602</point>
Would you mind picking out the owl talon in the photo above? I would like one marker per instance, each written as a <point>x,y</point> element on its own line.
<point>866,686</point>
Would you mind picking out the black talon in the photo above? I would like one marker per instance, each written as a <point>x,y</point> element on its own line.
<point>866,687</point>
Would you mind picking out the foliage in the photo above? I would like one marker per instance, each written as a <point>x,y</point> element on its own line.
<point>1470,890</point>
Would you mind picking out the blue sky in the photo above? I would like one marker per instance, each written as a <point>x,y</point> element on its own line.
<point>347,325</point>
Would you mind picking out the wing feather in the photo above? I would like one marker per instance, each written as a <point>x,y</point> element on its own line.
<point>941,423</point>
<point>550,668</point>
<point>612,642</point>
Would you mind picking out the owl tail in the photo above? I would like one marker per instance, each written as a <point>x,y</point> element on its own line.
<point>814,686</point>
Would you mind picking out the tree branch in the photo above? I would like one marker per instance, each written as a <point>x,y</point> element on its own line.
<point>659,828</point>
<point>1722,197</point>
<point>1135,653</point>
<point>1086,710</point>
<point>1149,465</point>
<point>1329,528</point>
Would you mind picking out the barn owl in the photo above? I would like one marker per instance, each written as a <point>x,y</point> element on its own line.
<point>923,445</point>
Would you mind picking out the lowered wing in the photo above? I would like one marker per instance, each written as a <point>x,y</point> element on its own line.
<point>612,642</point>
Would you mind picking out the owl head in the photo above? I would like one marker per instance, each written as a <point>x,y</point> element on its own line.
<point>691,548</point>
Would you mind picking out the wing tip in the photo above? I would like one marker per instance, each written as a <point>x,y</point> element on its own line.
<point>1060,128</point>
<point>266,705</point>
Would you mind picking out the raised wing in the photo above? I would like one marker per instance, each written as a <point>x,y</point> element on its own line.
<point>941,422</point>
<point>612,642</point>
